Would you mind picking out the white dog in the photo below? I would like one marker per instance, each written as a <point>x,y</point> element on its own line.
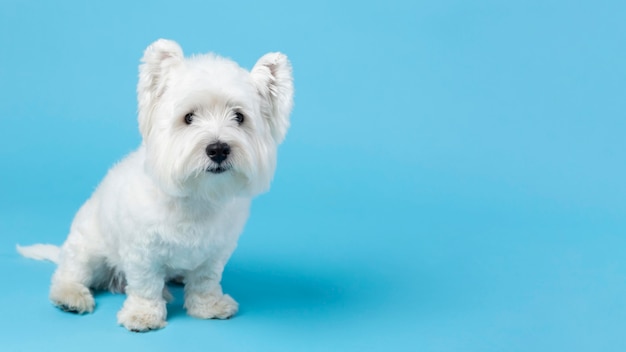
<point>176,206</point>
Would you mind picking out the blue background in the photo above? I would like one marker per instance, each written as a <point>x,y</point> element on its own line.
<point>454,178</point>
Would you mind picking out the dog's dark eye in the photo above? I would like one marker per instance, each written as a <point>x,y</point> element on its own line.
<point>189,118</point>
<point>239,117</point>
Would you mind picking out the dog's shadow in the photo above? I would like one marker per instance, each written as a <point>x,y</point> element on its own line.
<point>276,290</point>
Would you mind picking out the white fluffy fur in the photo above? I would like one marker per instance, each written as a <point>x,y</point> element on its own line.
<point>160,214</point>
<point>41,252</point>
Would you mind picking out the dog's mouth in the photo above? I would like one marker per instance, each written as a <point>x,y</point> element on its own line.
<point>218,169</point>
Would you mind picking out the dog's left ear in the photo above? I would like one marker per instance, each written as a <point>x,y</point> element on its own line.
<point>157,62</point>
<point>273,78</point>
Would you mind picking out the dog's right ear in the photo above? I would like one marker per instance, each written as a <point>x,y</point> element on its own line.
<point>273,78</point>
<point>158,59</point>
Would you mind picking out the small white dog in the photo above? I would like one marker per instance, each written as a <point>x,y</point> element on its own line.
<point>175,207</point>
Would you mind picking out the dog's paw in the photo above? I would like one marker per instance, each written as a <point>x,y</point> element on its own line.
<point>211,306</point>
<point>139,314</point>
<point>72,297</point>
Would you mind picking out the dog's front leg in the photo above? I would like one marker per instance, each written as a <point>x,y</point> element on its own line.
<point>144,308</point>
<point>204,298</point>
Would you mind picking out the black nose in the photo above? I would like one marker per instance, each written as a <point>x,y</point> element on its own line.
<point>218,151</point>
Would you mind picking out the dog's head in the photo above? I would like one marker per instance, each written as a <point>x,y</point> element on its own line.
<point>210,128</point>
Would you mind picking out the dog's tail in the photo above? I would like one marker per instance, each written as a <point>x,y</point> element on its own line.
<point>40,252</point>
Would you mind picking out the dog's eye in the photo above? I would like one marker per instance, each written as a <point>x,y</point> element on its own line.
<point>239,117</point>
<point>189,118</point>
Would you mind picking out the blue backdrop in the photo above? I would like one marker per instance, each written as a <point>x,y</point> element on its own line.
<point>454,178</point>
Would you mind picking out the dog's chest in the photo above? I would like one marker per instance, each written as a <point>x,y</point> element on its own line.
<point>187,245</point>
<point>184,242</point>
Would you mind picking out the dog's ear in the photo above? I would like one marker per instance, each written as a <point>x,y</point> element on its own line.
<point>274,81</point>
<point>158,59</point>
